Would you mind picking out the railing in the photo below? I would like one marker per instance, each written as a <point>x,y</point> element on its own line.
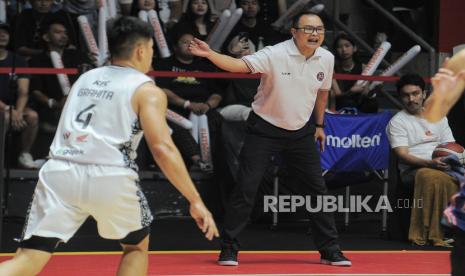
<point>360,42</point>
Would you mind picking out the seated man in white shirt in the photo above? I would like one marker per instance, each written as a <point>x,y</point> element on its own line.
<point>413,140</point>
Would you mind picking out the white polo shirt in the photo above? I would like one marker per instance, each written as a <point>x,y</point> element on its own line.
<point>417,134</point>
<point>289,83</point>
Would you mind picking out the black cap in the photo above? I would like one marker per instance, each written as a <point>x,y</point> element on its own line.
<point>4,26</point>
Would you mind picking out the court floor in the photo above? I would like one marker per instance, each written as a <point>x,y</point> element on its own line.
<point>254,263</point>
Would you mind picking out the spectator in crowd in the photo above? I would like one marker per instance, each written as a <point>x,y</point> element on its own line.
<point>69,13</point>
<point>237,102</point>
<point>13,100</point>
<point>251,25</point>
<point>196,20</point>
<point>169,11</point>
<point>239,93</point>
<point>142,5</point>
<point>46,89</point>
<point>190,94</point>
<point>28,26</point>
<point>126,7</point>
<point>147,5</point>
<point>218,6</point>
<point>413,140</point>
<point>346,92</point>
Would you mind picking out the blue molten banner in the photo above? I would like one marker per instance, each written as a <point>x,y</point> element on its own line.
<point>356,142</point>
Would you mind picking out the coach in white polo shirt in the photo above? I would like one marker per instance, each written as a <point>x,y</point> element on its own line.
<point>296,77</point>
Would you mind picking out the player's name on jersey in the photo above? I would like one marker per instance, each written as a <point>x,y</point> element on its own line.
<point>96,93</point>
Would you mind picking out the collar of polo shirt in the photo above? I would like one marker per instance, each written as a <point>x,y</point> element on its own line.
<point>294,51</point>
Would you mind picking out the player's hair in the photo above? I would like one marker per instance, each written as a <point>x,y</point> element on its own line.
<point>412,79</point>
<point>123,34</point>
<point>296,18</point>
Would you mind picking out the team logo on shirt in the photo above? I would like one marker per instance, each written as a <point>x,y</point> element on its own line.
<point>320,76</point>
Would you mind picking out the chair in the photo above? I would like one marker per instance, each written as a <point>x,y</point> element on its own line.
<point>354,143</point>
<point>358,143</point>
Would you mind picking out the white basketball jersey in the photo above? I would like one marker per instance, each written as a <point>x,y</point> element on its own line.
<point>98,124</point>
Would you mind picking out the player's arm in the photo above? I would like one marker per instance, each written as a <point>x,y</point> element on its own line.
<point>200,48</point>
<point>448,86</point>
<point>150,103</point>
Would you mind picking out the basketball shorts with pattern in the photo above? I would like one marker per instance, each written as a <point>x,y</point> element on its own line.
<point>68,193</point>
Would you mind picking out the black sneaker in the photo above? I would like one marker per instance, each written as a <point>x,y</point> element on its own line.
<point>335,258</point>
<point>228,255</point>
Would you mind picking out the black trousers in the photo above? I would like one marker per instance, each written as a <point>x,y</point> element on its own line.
<point>457,254</point>
<point>298,150</point>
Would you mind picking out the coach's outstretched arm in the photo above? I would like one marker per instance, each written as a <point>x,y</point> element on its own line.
<point>200,48</point>
<point>150,103</point>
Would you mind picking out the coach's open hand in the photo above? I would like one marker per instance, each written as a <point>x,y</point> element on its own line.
<point>320,137</point>
<point>204,219</point>
<point>199,48</point>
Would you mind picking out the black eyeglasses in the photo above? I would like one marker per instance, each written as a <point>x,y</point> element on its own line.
<point>311,29</point>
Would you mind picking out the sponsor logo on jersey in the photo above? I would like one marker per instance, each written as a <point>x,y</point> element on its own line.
<point>82,138</point>
<point>69,152</point>
<point>101,83</point>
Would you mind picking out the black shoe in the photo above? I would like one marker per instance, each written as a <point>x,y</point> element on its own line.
<point>335,258</point>
<point>228,255</point>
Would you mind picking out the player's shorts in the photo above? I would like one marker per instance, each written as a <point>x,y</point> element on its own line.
<point>67,193</point>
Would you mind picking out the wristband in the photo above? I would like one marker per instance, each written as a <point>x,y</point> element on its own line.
<point>320,125</point>
<point>209,106</point>
<point>186,104</point>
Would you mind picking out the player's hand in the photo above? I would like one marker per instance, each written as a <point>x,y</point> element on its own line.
<point>437,163</point>
<point>204,219</point>
<point>445,82</point>
<point>199,48</point>
<point>321,137</point>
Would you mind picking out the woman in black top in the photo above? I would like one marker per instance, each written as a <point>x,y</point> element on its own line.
<point>347,92</point>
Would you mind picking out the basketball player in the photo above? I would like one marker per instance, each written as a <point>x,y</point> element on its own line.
<point>448,86</point>
<point>92,170</point>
